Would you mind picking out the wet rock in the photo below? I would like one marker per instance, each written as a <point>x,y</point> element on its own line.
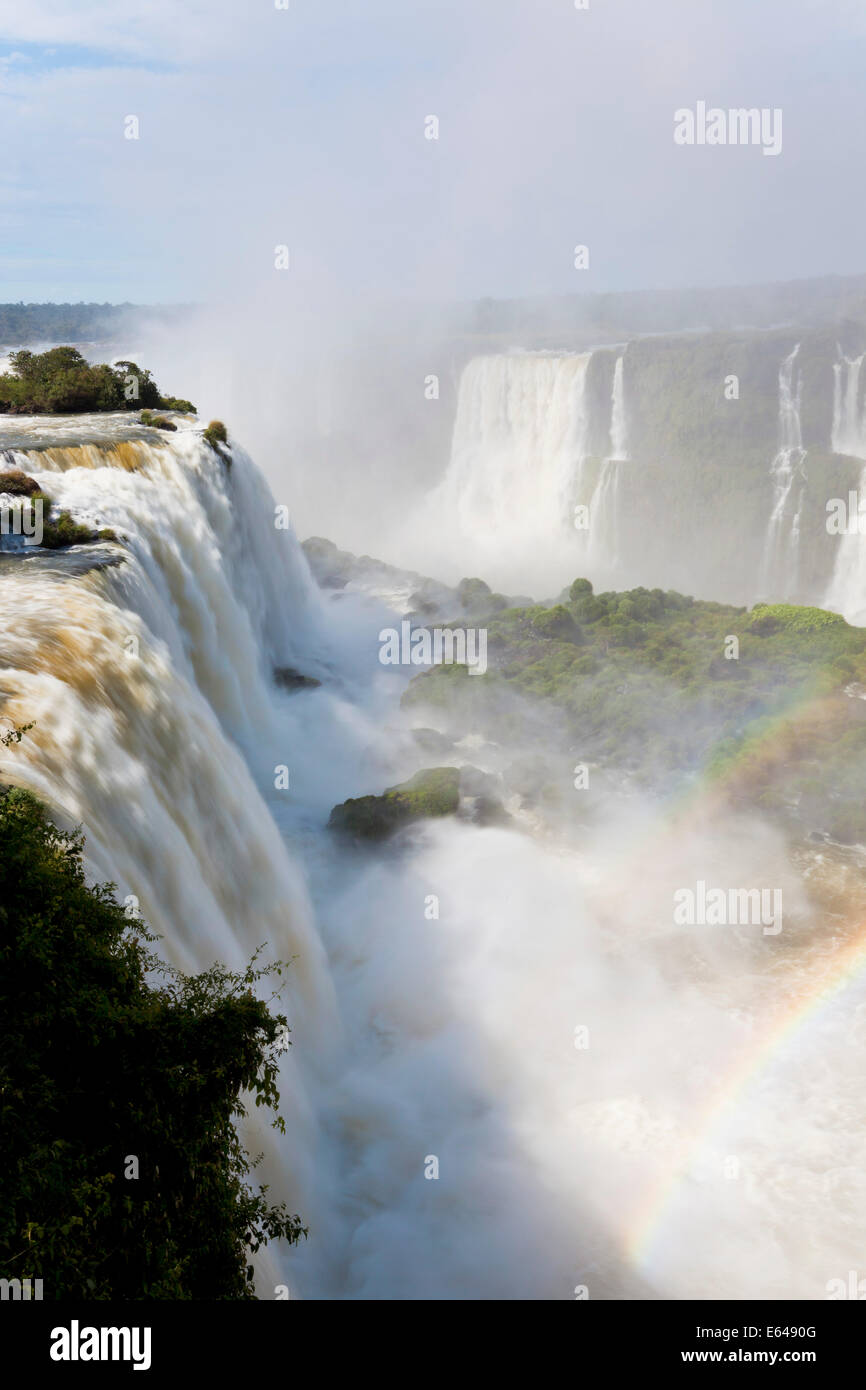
<point>432,743</point>
<point>287,678</point>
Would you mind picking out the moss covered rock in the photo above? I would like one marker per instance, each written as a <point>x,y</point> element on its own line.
<point>157,422</point>
<point>15,483</point>
<point>431,792</point>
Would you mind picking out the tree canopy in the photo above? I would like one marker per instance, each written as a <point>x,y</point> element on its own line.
<point>121,1085</point>
<point>61,381</point>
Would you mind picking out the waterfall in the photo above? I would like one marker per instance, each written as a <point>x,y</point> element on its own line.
<point>846,592</point>
<point>779,564</point>
<point>146,670</point>
<point>519,465</point>
<point>519,443</point>
<point>604,512</point>
<point>849,412</point>
<point>618,429</point>
<point>146,666</point>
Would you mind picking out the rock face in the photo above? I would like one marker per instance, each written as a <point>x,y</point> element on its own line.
<point>412,594</point>
<point>287,678</point>
<point>15,483</point>
<point>431,792</point>
<point>432,743</point>
<point>407,591</point>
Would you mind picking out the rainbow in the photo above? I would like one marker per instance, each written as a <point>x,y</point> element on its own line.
<point>810,701</point>
<point>839,973</point>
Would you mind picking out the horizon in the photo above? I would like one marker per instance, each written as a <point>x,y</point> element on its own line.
<point>517,298</point>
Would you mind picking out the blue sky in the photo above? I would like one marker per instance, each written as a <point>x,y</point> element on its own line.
<point>261,127</point>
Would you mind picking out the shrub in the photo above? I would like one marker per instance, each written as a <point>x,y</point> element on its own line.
<point>64,531</point>
<point>157,422</point>
<point>216,434</point>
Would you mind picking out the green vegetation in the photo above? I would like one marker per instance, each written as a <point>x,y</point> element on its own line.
<point>61,382</point>
<point>158,422</point>
<point>640,682</point>
<point>432,792</point>
<point>788,617</point>
<point>216,434</point>
<point>64,531</point>
<point>57,532</point>
<point>475,596</point>
<point>104,1073</point>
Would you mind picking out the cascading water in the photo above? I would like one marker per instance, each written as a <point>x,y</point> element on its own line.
<point>781,553</point>
<point>519,443</point>
<point>846,593</point>
<point>519,468</point>
<point>618,425</point>
<point>146,667</point>
<point>604,507</point>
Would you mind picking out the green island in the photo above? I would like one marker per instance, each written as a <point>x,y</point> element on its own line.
<point>639,683</point>
<point>433,792</point>
<point>61,381</point>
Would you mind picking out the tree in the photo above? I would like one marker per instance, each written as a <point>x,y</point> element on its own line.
<point>121,1082</point>
<point>62,382</point>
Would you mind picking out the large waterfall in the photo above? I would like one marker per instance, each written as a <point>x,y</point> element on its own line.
<point>520,465</point>
<point>519,442</point>
<point>147,668</point>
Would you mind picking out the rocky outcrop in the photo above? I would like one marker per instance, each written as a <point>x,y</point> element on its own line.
<point>431,792</point>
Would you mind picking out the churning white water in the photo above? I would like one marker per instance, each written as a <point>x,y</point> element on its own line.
<point>545,1043</point>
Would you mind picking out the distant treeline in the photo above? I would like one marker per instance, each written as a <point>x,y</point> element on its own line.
<point>44,323</point>
<point>578,321</point>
